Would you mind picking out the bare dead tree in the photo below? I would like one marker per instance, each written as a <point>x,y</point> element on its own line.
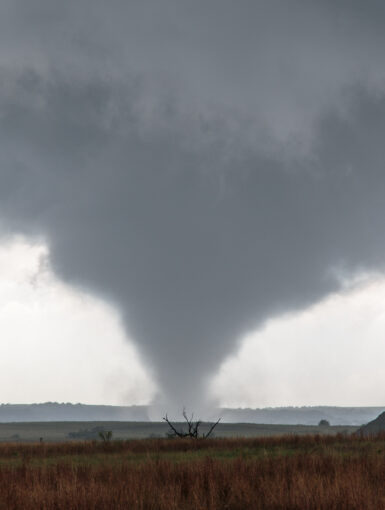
<point>192,427</point>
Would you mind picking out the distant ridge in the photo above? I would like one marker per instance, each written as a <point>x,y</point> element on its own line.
<point>307,415</point>
<point>374,427</point>
<point>53,411</point>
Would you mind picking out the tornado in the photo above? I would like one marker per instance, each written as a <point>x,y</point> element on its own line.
<point>199,166</point>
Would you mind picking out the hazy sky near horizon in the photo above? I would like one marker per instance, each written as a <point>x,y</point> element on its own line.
<point>204,181</point>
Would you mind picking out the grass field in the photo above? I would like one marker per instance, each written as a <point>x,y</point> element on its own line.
<point>61,431</point>
<point>289,472</point>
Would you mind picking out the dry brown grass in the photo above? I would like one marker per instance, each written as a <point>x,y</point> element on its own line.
<point>319,472</point>
<point>9,449</point>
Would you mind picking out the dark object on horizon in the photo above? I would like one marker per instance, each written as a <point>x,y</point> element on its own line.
<point>324,423</point>
<point>374,427</point>
<point>192,428</point>
<point>105,435</point>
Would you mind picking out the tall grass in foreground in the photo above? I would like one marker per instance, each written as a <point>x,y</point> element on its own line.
<point>9,449</point>
<point>348,473</point>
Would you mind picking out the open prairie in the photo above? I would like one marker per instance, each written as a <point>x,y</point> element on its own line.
<point>67,430</point>
<point>289,472</point>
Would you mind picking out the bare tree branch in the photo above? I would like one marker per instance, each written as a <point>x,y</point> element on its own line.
<point>175,431</point>
<point>211,428</point>
<point>192,427</point>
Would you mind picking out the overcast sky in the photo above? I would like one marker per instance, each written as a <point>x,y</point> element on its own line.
<point>192,201</point>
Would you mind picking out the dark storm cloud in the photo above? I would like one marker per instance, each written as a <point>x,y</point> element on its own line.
<point>204,166</point>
